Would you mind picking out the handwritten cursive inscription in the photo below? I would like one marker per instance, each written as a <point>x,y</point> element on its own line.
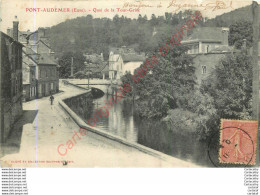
<point>136,5</point>
<point>213,6</point>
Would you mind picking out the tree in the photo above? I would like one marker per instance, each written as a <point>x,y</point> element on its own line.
<point>230,85</point>
<point>154,20</point>
<point>240,31</point>
<point>166,86</point>
<point>65,63</point>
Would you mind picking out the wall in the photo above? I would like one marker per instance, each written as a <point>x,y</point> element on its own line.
<point>80,104</point>
<point>208,60</point>
<point>11,84</point>
<point>131,66</point>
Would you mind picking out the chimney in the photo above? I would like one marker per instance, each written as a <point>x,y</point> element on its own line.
<point>225,36</point>
<point>15,28</point>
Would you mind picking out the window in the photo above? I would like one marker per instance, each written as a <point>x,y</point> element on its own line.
<point>40,73</point>
<point>207,48</point>
<point>51,86</point>
<point>204,69</point>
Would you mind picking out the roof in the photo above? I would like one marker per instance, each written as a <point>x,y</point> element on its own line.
<point>127,54</point>
<point>206,34</point>
<point>46,59</point>
<point>94,58</point>
<point>34,61</point>
<point>30,54</point>
<point>133,57</point>
<point>105,68</point>
<point>11,38</point>
<point>44,42</point>
<point>222,49</point>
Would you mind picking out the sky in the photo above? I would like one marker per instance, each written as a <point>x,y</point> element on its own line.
<point>31,20</point>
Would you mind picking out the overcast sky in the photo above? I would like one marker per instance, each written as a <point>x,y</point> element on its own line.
<point>33,20</point>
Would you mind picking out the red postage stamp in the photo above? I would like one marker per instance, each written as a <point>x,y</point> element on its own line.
<point>238,142</point>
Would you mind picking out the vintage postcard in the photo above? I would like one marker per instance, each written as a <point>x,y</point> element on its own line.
<point>132,83</point>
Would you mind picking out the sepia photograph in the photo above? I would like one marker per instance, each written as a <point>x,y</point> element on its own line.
<point>168,83</point>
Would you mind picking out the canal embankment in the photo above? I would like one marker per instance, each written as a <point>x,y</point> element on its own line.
<point>82,100</point>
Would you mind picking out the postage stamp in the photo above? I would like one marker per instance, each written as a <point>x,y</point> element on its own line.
<point>238,140</point>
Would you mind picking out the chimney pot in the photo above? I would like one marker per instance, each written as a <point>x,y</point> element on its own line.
<point>15,28</point>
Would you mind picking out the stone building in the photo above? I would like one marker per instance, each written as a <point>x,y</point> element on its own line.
<point>29,77</point>
<point>208,45</point>
<point>46,76</point>
<point>11,81</point>
<point>40,69</point>
<point>206,63</point>
<point>204,39</point>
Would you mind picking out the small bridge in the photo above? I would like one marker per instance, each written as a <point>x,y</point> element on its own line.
<point>106,86</point>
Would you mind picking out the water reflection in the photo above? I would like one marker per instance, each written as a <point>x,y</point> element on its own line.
<point>122,122</point>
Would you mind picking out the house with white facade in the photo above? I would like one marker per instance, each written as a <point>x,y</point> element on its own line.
<point>123,60</point>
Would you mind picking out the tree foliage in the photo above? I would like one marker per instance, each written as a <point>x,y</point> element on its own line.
<point>230,85</point>
<point>96,35</point>
<point>238,32</point>
<point>65,63</point>
<point>165,86</point>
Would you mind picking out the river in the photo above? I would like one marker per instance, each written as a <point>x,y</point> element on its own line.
<point>123,122</point>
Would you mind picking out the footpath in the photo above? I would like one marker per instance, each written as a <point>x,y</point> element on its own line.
<point>42,128</point>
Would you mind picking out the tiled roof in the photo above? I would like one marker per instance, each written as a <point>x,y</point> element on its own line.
<point>222,49</point>
<point>206,33</point>
<point>11,38</point>
<point>45,42</point>
<point>127,54</point>
<point>105,68</point>
<point>133,57</point>
<point>46,59</point>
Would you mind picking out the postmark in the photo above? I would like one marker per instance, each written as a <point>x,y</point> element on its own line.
<point>234,144</point>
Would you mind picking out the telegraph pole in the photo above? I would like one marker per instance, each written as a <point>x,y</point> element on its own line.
<point>71,68</point>
<point>256,99</point>
<point>88,71</point>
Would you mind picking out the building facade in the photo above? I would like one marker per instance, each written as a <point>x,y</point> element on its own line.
<point>207,45</point>
<point>46,76</point>
<point>205,39</point>
<point>29,74</point>
<point>123,60</point>
<point>40,69</point>
<point>11,81</point>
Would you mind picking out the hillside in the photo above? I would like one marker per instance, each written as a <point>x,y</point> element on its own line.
<point>96,35</point>
<point>226,19</point>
